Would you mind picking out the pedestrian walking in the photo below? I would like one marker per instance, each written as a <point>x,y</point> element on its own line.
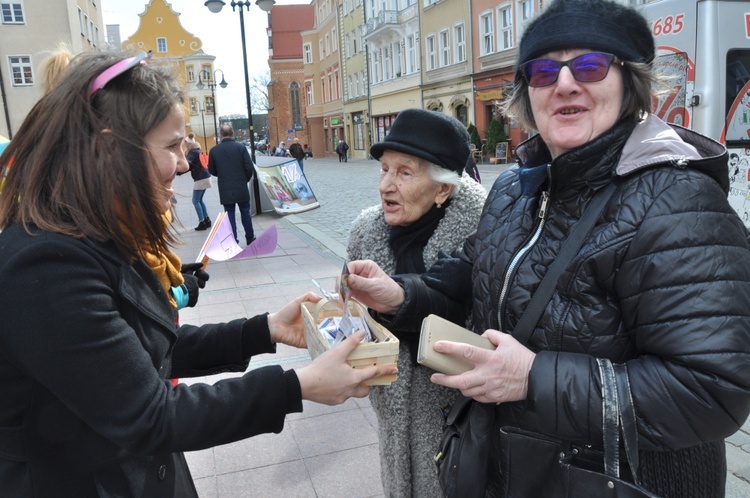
<point>230,162</point>
<point>341,150</point>
<point>298,153</point>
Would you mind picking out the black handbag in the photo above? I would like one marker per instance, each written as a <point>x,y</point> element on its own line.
<point>463,457</point>
<point>463,460</point>
<point>533,464</point>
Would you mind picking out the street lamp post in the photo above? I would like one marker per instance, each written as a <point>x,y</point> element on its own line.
<point>215,6</point>
<point>212,86</point>
<point>205,141</point>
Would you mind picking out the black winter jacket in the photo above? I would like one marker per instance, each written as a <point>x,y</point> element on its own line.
<point>230,162</point>
<point>662,284</point>
<point>88,343</point>
<point>197,171</point>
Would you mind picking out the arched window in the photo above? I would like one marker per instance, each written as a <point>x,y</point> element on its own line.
<point>294,99</point>
<point>462,114</point>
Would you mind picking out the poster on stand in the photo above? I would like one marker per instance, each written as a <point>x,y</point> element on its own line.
<point>285,184</point>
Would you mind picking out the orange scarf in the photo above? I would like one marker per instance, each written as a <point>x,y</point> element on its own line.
<point>166,266</point>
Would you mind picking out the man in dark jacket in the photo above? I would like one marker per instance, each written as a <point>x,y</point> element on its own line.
<point>341,149</point>
<point>298,153</point>
<point>230,163</point>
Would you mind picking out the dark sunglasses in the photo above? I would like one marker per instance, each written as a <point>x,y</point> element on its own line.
<point>586,68</point>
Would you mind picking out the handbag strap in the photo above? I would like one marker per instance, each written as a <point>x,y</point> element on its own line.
<point>618,412</point>
<point>627,418</point>
<point>524,328</point>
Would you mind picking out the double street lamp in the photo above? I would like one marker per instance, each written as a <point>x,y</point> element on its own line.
<point>215,6</point>
<point>212,86</point>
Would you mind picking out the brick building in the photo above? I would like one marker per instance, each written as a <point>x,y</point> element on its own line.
<point>287,116</point>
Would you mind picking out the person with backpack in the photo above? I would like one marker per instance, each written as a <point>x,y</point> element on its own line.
<point>198,161</point>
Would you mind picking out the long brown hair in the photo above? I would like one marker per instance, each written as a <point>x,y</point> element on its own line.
<point>80,166</point>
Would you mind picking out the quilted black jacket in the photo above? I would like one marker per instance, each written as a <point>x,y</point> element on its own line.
<point>662,283</point>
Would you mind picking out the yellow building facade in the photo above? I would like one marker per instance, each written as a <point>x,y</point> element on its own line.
<point>161,32</point>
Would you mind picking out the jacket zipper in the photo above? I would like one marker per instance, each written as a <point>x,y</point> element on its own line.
<point>520,254</point>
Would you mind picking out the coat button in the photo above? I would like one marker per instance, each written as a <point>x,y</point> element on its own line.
<point>162,472</point>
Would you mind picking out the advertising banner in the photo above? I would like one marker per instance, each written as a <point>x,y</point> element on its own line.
<point>285,184</point>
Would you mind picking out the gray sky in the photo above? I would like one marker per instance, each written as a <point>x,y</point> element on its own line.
<point>221,37</point>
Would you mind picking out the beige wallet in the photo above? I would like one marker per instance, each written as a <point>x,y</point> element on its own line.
<point>435,328</point>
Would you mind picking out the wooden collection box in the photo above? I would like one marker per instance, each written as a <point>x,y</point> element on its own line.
<point>383,352</point>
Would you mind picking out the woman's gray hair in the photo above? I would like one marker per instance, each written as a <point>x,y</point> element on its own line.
<point>640,84</point>
<point>442,175</point>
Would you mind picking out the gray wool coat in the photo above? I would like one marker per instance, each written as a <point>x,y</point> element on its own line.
<point>408,411</point>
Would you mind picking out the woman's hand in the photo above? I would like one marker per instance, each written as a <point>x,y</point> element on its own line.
<point>331,381</point>
<point>286,324</point>
<point>371,286</point>
<point>498,376</point>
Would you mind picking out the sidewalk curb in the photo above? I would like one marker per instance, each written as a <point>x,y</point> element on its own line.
<point>328,242</point>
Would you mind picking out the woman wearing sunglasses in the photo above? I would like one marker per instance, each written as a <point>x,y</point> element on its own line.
<point>88,340</point>
<point>660,284</point>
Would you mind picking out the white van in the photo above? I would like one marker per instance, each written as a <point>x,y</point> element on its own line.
<point>705,46</point>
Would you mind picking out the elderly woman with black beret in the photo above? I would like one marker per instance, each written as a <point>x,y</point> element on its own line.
<point>427,205</point>
<point>660,286</point>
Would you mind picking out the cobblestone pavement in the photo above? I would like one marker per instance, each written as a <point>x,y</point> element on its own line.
<point>345,189</point>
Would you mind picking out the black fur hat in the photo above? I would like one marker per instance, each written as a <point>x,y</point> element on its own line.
<point>429,135</point>
<point>592,24</point>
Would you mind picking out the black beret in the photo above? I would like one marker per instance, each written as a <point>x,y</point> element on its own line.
<point>429,135</point>
<point>593,24</point>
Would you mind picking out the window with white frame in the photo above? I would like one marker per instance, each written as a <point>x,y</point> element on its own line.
<point>323,89</point>
<point>20,70</point>
<point>193,105</point>
<point>96,36</point>
<point>309,93</point>
<point>208,105</point>
<point>86,26</point>
<point>376,66</point>
<point>411,55</point>
<point>430,52</point>
<point>427,3</point>
<point>91,29</point>
<point>161,45</point>
<point>527,10</point>
<point>307,51</point>
<point>505,18</point>
<point>387,63</point>
<point>80,21</point>
<point>445,48</point>
<point>487,35</point>
<point>328,45</point>
<point>335,38</point>
<point>331,92</point>
<point>206,73</point>
<point>459,40</point>
<point>347,45</point>
<point>355,37</point>
<point>12,12</point>
<point>190,73</point>
<point>397,59</point>
<point>350,85</point>
<point>356,84</point>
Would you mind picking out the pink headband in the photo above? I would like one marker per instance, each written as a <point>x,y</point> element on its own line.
<point>116,70</point>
